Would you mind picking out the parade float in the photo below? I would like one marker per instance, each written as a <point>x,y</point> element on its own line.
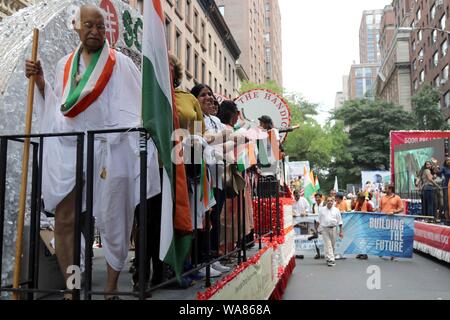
<point>409,151</point>
<point>266,273</point>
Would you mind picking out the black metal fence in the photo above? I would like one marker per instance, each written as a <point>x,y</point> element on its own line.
<point>261,193</point>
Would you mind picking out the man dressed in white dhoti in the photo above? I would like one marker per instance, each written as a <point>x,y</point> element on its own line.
<point>95,88</point>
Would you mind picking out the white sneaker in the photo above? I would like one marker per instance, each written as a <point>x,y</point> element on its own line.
<point>220,267</point>
<point>213,273</point>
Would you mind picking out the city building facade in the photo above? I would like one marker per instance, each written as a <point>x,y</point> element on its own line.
<point>272,42</point>
<point>430,61</point>
<point>256,26</point>
<point>361,80</point>
<point>198,35</point>
<point>369,34</point>
<point>402,12</point>
<point>394,77</point>
<point>362,76</point>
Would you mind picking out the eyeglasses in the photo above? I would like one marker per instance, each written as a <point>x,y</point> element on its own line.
<point>90,25</point>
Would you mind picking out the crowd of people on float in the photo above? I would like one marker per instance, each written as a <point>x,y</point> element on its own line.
<point>98,87</point>
<point>432,182</point>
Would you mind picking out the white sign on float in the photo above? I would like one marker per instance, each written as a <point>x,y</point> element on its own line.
<point>258,102</point>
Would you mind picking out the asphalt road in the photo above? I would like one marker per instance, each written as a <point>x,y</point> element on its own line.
<point>420,278</point>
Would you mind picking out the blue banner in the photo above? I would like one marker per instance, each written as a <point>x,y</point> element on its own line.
<point>377,234</point>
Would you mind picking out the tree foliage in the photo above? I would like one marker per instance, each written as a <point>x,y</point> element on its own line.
<point>426,110</point>
<point>369,124</point>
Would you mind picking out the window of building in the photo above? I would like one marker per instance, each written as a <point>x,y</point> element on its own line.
<point>203,34</point>
<point>413,46</point>
<point>229,72</point>
<point>422,76</point>
<point>222,10</point>
<point>210,79</point>
<point>196,31</point>
<point>413,65</point>
<point>436,58</point>
<point>203,72</point>
<point>234,79</point>
<point>220,60</point>
<point>168,27</point>
<point>378,18</point>
<point>188,12</point>
<point>196,65</point>
<point>433,36</point>
<point>432,12</point>
<point>178,44</point>
<point>188,56</point>
<point>421,55</point>
<point>444,48</point>
<point>419,35</point>
<point>215,54</point>
<point>360,88</point>
<point>418,15</point>
<point>442,22</point>
<point>444,74</point>
<point>225,67</point>
<point>358,72</point>
<point>416,85</point>
<point>437,82</point>
<point>210,45</point>
<point>220,91</point>
<point>447,99</point>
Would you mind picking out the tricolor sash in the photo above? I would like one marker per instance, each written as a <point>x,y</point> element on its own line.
<point>78,97</point>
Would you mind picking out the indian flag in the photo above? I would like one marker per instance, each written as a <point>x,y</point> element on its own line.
<point>160,118</point>
<point>247,157</point>
<point>308,186</point>
<point>316,184</point>
<point>268,149</point>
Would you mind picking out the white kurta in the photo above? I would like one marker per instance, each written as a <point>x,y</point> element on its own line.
<point>115,197</point>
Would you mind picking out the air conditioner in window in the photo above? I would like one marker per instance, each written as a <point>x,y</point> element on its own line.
<point>443,81</point>
<point>439,3</point>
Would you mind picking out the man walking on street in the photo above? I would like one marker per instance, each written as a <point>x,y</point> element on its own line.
<point>329,219</point>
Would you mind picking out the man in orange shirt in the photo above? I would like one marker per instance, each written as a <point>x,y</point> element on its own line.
<point>341,204</point>
<point>391,203</point>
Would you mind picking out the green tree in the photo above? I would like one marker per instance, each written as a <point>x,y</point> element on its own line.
<point>369,124</point>
<point>426,109</point>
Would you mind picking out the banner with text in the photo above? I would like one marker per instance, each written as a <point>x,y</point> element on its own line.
<point>377,234</point>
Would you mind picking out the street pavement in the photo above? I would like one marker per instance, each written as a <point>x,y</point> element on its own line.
<point>420,278</point>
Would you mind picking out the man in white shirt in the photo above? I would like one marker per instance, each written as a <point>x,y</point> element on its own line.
<point>301,205</point>
<point>319,203</point>
<point>329,219</point>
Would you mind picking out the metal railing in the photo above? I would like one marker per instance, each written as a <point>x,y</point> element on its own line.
<point>264,194</point>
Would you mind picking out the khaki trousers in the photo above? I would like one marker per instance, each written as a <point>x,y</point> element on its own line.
<point>329,236</point>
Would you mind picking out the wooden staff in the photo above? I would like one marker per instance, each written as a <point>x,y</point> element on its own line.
<point>26,155</point>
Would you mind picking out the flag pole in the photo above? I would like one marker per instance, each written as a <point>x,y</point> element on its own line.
<point>26,155</point>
